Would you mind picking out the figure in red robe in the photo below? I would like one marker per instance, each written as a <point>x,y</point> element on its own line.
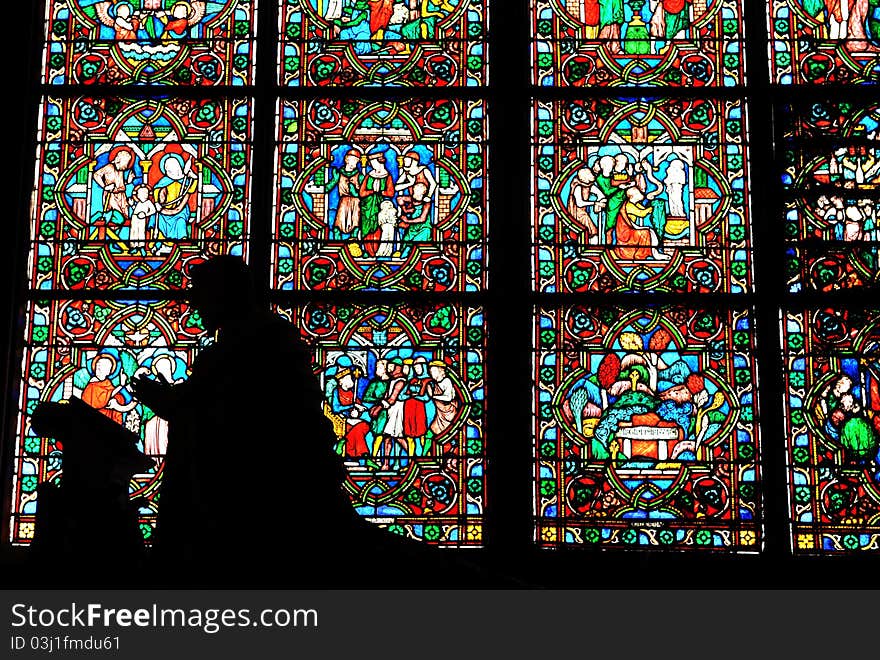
<point>100,390</point>
<point>380,14</point>
<point>346,404</point>
<point>415,417</point>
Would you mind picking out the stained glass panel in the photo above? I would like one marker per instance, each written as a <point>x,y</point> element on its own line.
<point>832,180</point>
<point>405,392</point>
<point>150,42</point>
<point>646,429</point>
<point>400,43</point>
<point>832,363</point>
<point>650,43</point>
<point>131,192</point>
<point>381,195</point>
<point>817,42</point>
<point>93,350</point>
<point>641,195</point>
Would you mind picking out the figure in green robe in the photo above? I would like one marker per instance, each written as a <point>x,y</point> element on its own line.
<point>611,20</point>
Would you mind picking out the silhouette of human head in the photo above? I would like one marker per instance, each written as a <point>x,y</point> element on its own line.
<point>222,291</point>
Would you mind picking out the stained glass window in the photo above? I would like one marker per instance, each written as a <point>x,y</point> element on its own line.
<point>816,42</point>
<point>645,422</point>
<point>678,43</point>
<point>381,195</point>
<point>404,390</point>
<point>93,349</point>
<point>369,195</point>
<point>390,195</point>
<point>832,151</point>
<point>149,42</point>
<point>405,43</point>
<point>833,428</point>
<point>131,192</point>
<point>646,428</point>
<point>641,195</point>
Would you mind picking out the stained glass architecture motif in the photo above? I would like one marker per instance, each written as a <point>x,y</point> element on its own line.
<point>832,401</point>
<point>131,192</point>
<point>93,350</point>
<point>400,43</point>
<point>817,42</point>
<point>381,195</point>
<point>405,392</point>
<point>646,429</point>
<point>651,43</point>
<point>150,42</point>
<point>832,180</point>
<point>641,195</point>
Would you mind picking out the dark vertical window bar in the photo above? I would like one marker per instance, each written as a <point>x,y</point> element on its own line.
<point>509,472</point>
<point>769,251</point>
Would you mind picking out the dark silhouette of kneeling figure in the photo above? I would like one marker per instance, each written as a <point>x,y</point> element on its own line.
<point>252,491</point>
<point>252,487</point>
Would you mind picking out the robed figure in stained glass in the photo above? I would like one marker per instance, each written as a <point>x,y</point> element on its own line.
<point>348,183</point>
<point>174,192</point>
<point>102,394</point>
<point>113,180</point>
<point>611,20</point>
<point>670,19</point>
<point>629,228</point>
<point>612,185</point>
<point>376,187</point>
<point>443,395</point>
<point>584,200</point>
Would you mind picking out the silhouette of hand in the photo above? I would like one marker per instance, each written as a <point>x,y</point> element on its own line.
<point>157,395</point>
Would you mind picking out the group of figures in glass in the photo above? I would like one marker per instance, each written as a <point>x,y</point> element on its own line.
<point>402,409</point>
<point>94,349</point>
<point>833,226</point>
<point>404,391</point>
<point>376,212</point>
<point>393,25</point>
<point>846,215</point>
<point>138,190</point>
<point>391,196</point>
<point>640,194</point>
<point>138,26</point>
<point>129,205</point>
<point>635,27</point>
<point>618,202</point>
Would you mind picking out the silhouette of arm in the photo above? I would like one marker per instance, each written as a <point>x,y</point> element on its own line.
<point>162,397</point>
